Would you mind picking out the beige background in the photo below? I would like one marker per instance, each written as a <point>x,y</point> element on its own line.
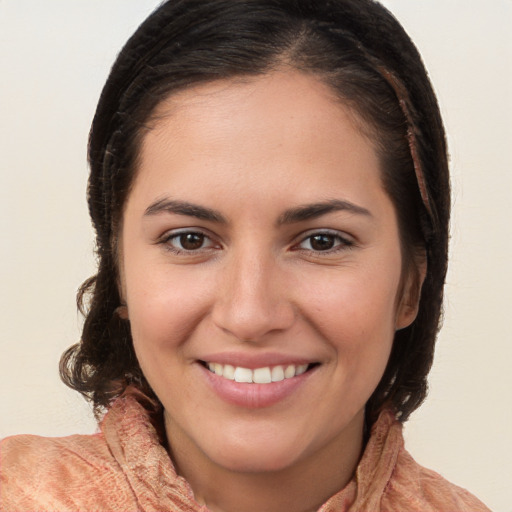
<point>54,58</point>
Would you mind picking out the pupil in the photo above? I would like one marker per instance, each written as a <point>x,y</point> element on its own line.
<point>191,241</point>
<point>322,242</point>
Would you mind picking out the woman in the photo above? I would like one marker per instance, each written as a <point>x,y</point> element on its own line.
<point>270,194</point>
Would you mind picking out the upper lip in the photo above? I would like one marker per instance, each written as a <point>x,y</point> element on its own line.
<point>252,361</point>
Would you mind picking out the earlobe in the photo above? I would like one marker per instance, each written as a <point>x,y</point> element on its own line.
<point>406,316</point>
<point>122,312</point>
<point>409,304</point>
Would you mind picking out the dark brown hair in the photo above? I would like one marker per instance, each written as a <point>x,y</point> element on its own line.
<point>356,47</point>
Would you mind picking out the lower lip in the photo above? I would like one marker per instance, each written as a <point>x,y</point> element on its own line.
<point>254,396</point>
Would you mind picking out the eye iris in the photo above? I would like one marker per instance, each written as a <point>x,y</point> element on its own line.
<point>322,242</point>
<point>191,241</point>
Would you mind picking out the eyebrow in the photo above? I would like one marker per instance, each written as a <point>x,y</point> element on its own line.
<point>291,216</point>
<point>315,210</point>
<point>185,208</point>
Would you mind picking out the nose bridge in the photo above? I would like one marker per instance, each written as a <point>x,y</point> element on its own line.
<point>252,299</point>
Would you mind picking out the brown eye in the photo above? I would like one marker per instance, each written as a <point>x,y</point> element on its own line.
<point>188,241</point>
<point>325,242</point>
<point>191,241</point>
<point>322,242</point>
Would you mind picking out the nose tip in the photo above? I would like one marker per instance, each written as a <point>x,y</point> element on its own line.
<point>252,323</point>
<point>253,302</point>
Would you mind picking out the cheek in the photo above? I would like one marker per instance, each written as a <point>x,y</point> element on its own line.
<point>354,314</point>
<point>164,312</point>
<point>353,305</point>
<point>164,307</point>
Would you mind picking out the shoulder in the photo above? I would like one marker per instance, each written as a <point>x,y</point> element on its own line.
<point>413,487</point>
<point>390,480</point>
<point>69,473</point>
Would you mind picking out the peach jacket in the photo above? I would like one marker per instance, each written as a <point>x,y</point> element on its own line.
<point>125,468</point>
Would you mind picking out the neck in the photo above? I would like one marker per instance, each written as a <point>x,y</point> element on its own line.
<point>303,487</point>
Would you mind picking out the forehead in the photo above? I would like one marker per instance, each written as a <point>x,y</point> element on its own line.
<point>281,128</point>
<point>287,95</point>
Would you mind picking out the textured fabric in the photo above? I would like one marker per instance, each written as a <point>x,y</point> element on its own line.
<point>125,468</point>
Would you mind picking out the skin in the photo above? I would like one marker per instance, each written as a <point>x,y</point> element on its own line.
<point>255,284</point>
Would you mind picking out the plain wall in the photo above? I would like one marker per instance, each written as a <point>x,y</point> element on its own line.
<point>54,59</point>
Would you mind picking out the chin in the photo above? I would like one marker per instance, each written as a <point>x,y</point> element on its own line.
<point>254,453</point>
<point>257,461</point>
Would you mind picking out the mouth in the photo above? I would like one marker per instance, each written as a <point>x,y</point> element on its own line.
<point>263,375</point>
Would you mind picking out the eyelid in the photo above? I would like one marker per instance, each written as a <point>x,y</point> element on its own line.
<point>346,240</point>
<point>175,233</point>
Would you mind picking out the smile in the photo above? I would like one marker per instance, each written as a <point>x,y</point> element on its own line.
<point>264,375</point>
<point>257,386</point>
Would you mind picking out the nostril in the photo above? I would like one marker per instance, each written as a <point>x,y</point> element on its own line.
<point>251,321</point>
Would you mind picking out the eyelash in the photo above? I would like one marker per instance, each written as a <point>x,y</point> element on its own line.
<point>341,243</point>
<point>167,241</point>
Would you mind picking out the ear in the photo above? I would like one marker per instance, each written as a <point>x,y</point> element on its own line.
<point>409,302</point>
<point>122,312</point>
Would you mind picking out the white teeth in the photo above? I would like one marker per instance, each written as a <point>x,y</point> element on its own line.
<point>301,369</point>
<point>229,372</point>
<point>277,374</point>
<point>263,375</point>
<point>289,372</point>
<point>243,374</point>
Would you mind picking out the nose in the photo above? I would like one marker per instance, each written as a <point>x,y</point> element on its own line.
<point>253,299</point>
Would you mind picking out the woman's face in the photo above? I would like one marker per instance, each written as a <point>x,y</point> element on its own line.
<point>258,244</point>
